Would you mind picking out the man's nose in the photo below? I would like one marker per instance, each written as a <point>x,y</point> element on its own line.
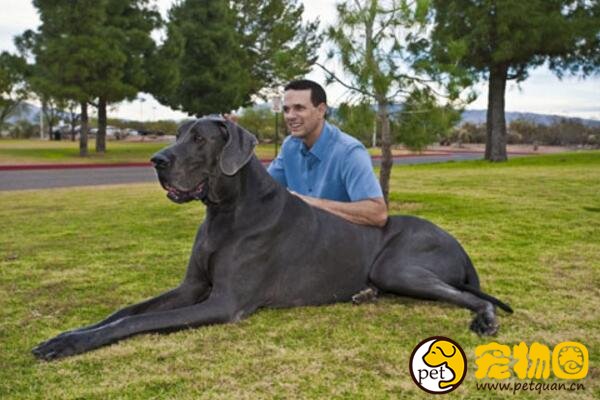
<point>160,160</point>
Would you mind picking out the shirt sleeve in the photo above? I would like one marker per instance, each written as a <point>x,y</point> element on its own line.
<point>358,175</point>
<point>277,170</point>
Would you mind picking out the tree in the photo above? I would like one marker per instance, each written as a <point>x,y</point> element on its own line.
<point>97,62</point>
<point>39,82</point>
<point>232,50</point>
<point>422,120</point>
<point>126,31</point>
<point>12,93</point>
<point>502,40</point>
<point>71,57</point>
<point>279,47</point>
<point>357,120</point>
<point>376,42</point>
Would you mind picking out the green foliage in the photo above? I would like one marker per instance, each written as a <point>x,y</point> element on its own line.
<point>278,45</point>
<point>214,77</point>
<point>164,70</point>
<point>357,120</point>
<point>225,52</point>
<point>102,58</point>
<point>126,32</point>
<point>261,122</point>
<point>12,75</point>
<point>521,34</point>
<point>71,58</point>
<point>422,121</point>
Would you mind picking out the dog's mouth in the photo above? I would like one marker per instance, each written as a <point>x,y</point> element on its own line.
<point>199,192</point>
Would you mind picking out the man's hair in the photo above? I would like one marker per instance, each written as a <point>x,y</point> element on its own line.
<point>317,93</point>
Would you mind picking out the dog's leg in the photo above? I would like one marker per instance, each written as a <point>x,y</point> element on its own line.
<point>414,281</point>
<point>214,310</point>
<point>184,295</point>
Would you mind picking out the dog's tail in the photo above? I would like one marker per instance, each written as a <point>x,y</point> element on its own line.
<point>486,296</point>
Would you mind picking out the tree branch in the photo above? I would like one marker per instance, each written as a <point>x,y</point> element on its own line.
<point>344,84</point>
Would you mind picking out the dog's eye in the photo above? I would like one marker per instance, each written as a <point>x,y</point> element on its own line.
<point>199,139</point>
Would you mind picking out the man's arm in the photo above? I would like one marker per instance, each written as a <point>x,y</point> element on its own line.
<point>364,212</point>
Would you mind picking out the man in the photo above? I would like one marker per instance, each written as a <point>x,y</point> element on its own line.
<point>322,165</point>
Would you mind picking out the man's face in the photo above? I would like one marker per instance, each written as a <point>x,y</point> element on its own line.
<point>302,118</point>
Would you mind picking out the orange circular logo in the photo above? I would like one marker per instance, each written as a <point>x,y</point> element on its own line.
<point>438,365</point>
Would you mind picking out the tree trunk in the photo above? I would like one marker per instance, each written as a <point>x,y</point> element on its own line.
<point>495,146</point>
<point>386,148</point>
<point>73,119</point>
<point>101,134</point>
<point>43,116</point>
<point>83,134</point>
<point>50,123</point>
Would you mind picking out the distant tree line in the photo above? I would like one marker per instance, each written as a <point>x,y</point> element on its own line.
<point>563,132</point>
<point>219,55</point>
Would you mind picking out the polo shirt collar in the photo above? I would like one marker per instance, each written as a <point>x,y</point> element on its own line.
<point>321,146</point>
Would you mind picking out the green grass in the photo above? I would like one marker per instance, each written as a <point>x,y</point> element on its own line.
<point>69,257</point>
<point>46,152</point>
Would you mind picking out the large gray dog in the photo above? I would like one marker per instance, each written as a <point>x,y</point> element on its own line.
<point>261,246</point>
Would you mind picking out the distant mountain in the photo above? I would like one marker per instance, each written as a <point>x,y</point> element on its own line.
<point>479,117</point>
<point>25,111</point>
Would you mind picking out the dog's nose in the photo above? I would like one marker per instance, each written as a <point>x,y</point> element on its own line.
<point>160,161</point>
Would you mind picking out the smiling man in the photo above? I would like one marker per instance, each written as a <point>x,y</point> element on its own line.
<point>321,164</point>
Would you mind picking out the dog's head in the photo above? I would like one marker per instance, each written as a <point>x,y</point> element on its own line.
<point>208,153</point>
<point>441,351</point>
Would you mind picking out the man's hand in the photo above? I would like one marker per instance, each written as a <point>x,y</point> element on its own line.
<point>364,212</point>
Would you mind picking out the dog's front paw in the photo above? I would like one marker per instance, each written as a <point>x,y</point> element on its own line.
<point>64,345</point>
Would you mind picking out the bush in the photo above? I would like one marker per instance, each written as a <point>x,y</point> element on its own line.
<point>261,122</point>
<point>423,121</point>
<point>356,120</point>
<point>467,133</point>
<point>564,132</point>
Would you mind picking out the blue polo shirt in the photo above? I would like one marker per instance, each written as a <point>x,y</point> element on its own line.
<point>337,167</point>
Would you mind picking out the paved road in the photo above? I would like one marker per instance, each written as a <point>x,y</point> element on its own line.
<point>53,178</point>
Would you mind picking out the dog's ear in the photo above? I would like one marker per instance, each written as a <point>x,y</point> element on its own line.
<point>238,149</point>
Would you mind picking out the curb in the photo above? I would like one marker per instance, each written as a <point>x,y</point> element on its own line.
<point>20,167</point>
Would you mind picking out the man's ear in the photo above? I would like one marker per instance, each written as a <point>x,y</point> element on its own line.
<point>238,150</point>
<point>322,109</point>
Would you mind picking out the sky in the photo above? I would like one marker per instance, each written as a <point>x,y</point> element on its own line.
<point>541,93</point>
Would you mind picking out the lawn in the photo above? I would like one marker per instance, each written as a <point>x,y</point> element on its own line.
<point>49,152</point>
<point>71,256</point>
<point>15,152</point>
